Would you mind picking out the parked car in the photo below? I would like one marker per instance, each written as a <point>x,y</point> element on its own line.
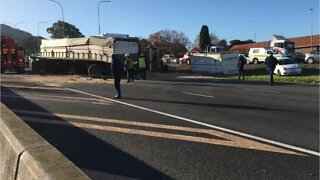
<point>286,66</point>
<point>186,58</point>
<point>313,57</point>
<point>246,57</point>
<point>299,57</point>
<point>169,58</point>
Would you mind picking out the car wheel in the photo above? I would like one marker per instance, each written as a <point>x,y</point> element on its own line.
<point>255,61</point>
<point>310,61</point>
<point>279,72</point>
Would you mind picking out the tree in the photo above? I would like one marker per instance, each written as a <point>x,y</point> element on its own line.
<point>170,41</point>
<point>204,40</point>
<point>237,42</point>
<point>31,45</point>
<point>213,39</point>
<point>223,43</point>
<point>69,30</point>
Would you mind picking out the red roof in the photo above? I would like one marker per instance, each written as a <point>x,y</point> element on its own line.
<point>304,41</point>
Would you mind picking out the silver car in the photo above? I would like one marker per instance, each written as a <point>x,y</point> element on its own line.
<point>313,57</point>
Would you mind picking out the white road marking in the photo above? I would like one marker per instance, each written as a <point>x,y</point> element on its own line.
<point>259,90</point>
<point>198,95</point>
<point>288,146</point>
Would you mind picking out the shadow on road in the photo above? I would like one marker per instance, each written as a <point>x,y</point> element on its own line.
<point>96,158</point>
<point>214,105</point>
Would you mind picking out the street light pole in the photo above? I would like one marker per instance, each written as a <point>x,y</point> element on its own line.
<point>311,9</point>
<point>62,16</point>
<point>99,13</point>
<point>15,25</point>
<point>38,33</point>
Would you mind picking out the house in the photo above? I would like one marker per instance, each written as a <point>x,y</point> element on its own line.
<point>302,44</point>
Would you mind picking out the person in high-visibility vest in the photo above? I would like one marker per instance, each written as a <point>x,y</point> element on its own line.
<point>142,67</point>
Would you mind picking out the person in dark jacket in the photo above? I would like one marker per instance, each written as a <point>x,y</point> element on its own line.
<point>241,63</point>
<point>271,63</point>
<point>117,70</point>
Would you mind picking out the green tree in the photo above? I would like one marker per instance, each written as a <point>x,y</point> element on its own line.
<point>237,42</point>
<point>213,38</point>
<point>204,38</point>
<point>61,29</point>
<point>223,43</point>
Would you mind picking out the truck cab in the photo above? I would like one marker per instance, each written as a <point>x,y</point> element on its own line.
<point>12,56</point>
<point>283,45</point>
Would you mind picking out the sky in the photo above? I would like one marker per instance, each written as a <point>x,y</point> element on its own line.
<point>227,19</point>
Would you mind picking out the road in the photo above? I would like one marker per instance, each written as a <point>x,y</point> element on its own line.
<point>182,129</point>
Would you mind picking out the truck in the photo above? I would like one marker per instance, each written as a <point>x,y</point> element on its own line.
<point>86,55</point>
<point>284,45</point>
<point>12,56</point>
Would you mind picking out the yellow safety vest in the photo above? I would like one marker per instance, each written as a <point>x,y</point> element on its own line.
<point>142,63</point>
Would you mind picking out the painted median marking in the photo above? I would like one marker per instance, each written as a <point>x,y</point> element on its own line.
<point>276,143</point>
<point>153,130</point>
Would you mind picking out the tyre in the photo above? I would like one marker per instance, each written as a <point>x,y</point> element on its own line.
<point>310,61</point>
<point>35,66</point>
<point>255,61</point>
<point>279,72</point>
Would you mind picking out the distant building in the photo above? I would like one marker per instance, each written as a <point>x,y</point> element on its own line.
<point>302,44</point>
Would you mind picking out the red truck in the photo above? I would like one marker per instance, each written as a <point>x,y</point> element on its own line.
<point>12,56</point>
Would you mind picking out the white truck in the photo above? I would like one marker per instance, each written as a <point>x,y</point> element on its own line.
<point>90,55</point>
<point>257,55</point>
<point>284,45</point>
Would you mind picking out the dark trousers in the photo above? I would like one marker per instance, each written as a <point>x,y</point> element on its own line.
<point>130,75</point>
<point>117,80</point>
<point>143,74</point>
<point>270,76</point>
<point>241,72</point>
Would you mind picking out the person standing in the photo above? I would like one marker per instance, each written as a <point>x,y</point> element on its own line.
<point>142,68</point>
<point>129,68</point>
<point>241,63</point>
<point>271,63</point>
<point>117,70</point>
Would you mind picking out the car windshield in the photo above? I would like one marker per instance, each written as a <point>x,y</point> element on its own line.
<point>286,61</point>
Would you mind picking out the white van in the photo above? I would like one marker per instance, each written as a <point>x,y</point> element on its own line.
<point>257,55</point>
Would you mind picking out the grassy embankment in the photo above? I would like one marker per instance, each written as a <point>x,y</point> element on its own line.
<point>310,73</point>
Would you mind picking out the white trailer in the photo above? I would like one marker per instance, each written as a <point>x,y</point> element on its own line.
<point>87,54</point>
<point>215,63</point>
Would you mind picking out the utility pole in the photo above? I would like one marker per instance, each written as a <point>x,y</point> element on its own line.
<point>311,9</point>
<point>99,13</point>
<point>64,33</point>
<point>39,35</point>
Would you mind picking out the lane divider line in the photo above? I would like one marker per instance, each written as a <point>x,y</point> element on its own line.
<point>259,90</point>
<point>288,146</point>
<point>198,95</point>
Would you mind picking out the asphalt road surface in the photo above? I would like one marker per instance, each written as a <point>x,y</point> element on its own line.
<point>182,129</point>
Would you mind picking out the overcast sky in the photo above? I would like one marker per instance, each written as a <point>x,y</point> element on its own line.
<point>228,19</point>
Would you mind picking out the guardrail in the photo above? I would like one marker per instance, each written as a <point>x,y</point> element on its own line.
<point>26,155</point>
